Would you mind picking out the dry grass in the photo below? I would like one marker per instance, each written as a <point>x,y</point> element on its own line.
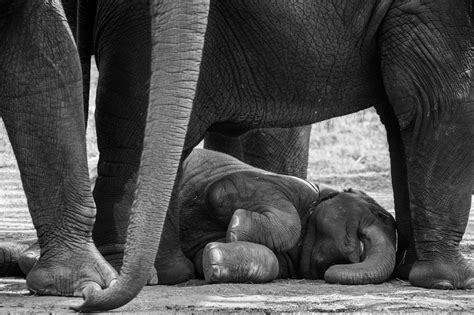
<point>351,144</point>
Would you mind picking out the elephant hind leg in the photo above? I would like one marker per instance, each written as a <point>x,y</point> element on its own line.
<point>425,62</point>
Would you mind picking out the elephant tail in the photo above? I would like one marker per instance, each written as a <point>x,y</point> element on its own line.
<point>178,29</point>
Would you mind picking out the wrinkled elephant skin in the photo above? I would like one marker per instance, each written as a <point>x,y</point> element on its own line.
<point>41,106</point>
<point>243,224</point>
<point>228,67</point>
<point>408,59</point>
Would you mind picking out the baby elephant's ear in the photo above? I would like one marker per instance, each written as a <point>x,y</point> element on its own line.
<point>377,210</point>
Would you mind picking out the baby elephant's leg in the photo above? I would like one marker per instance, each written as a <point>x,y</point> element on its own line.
<point>239,262</point>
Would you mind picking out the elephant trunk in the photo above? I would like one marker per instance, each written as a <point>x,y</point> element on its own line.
<point>376,267</point>
<point>178,29</point>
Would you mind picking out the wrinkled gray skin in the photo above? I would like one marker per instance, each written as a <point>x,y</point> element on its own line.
<point>41,106</point>
<point>307,231</point>
<point>231,66</point>
<point>409,59</point>
<point>284,64</point>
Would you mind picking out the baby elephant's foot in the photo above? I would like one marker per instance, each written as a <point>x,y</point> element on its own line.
<point>457,274</point>
<point>69,270</point>
<point>10,257</point>
<point>239,262</point>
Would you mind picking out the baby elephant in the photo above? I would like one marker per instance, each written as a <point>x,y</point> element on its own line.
<point>242,224</point>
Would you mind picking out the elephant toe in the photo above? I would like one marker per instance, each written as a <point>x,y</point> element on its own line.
<point>470,284</point>
<point>443,285</point>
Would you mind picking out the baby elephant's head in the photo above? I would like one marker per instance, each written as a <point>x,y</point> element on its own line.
<point>349,239</point>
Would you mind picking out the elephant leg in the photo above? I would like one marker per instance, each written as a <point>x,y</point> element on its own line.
<point>239,262</point>
<point>121,103</point>
<point>266,225</point>
<point>278,150</point>
<point>264,214</point>
<point>123,44</point>
<point>41,105</point>
<point>426,75</point>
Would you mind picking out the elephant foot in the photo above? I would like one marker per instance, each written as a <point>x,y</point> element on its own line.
<point>173,268</point>
<point>443,275</point>
<point>239,262</point>
<point>69,270</point>
<point>10,256</point>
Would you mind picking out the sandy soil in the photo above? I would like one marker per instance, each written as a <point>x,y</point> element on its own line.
<point>278,296</point>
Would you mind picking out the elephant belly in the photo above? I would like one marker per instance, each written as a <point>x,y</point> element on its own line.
<point>282,63</point>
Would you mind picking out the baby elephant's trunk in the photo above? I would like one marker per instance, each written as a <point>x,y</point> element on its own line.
<point>377,265</point>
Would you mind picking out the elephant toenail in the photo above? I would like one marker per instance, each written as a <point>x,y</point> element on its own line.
<point>216,271</point>
<point>232,237</point>
<point>443,285</point>
<point>216,255</point>
<point>470,284</point>
<point>235,222</point>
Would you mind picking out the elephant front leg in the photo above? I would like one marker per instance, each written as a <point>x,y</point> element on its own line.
<point>425,64</point>
<point>259,208</point>
<point>41,104</point>
<point>239,262</point>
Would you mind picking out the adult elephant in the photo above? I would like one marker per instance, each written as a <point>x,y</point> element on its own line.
<point>283,64</point>
<point>241,224</point>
